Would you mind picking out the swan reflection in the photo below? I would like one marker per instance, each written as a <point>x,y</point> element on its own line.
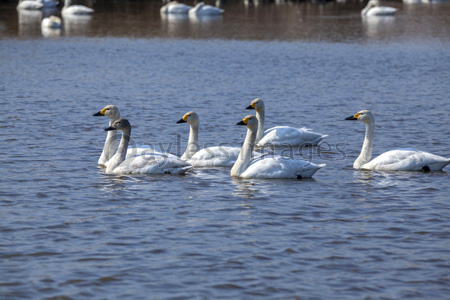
<point>377,26</point>
<point>76,25</point>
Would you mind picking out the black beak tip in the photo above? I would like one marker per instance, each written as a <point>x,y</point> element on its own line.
<point>181,121</point>
<point>98,114</point>
<point>240,123</point>
<point>351,118</point>
<point>110,128</point>
<point>249,107</point>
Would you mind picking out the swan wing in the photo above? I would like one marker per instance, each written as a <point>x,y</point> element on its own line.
<point>175,8</point>
<point>290,136</point>
<point>280,167</point>
<point>407,160</point>
<point>31,5</point>
<point>218,156</point>
<point>381,11</point>
<point>154,163</point>
<point>78,10</point>
<point>207,10</point>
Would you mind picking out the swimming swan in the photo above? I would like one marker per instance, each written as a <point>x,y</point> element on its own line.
<point>52,22</point>
<point>271,167</point>
<point>373,8</point>
<point>282,135</point>
<point>174,7</point>
<point>112,112</point>
<point>154,163</point>
<point>205,10</point>
<point>219,156</point>
<point>394,160</point>
<point>29,4</point>
<point>78,10</point>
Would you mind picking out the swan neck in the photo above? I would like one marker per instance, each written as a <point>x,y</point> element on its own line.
<point>110,145</point>
<point>366,151</point>
<point>192,146</point>
<point>261,116</point>
<point>121,153</point>
<point>245,155</point>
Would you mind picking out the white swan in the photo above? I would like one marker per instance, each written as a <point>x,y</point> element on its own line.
<point>201,9</point>
<point>29,4</point>
<point>282,135</point>
<point>78,10</point>
<point>112,112</point>
<point>373,8</point>
<point>154,163</point>
<point>174,7</point>
<point>52,22</point>
<point>270,167</point>
<point>394,160</point>
<point>219,156</point>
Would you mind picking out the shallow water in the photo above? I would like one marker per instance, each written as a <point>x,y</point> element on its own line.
<point>69,230</point>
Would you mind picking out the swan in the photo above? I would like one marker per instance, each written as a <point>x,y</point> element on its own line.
<point>153,163</point>
<point>205,10</point>
<point>78,10</point>
<point>112,112</point>
<point>29,4</point>
<point>394,160</point>
<point>373,8</point>
<point>174,7</point>
<point>53,22</point>
<point>271,167</point>
<point>282,135</point>
<point>219,156</point>
<point>49,3</point>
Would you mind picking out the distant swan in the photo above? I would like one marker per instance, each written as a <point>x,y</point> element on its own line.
<point>270,167</point>
<point>373,8</point>
<point>394,160</point>
<point>174,7</point>
<point>154,163</point>
<point>282,135</point>
<point>29,4</point>
<point>78,10</point>
<point>49,3</point>
<point>205,10</point>
<point>112,112</point>
<point>53,22</point>
<point>219,156</point>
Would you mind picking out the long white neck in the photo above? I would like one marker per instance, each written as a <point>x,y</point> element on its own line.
<point>110,145</point>
<point>245,155</point>
<point>366,151</point>
<point>261,116</point>
<point>192,146</point>
<point>367,8</point>
<point>121,153</point>
<point>66,3</point>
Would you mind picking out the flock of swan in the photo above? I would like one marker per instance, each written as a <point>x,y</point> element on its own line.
<point>247,161</point>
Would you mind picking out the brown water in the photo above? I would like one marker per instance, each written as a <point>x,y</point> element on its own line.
<point>68,231</point>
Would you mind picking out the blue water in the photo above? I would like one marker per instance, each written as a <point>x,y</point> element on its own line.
<point>69,231</point>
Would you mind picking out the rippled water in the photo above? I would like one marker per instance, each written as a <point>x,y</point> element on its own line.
<point>70,231</point>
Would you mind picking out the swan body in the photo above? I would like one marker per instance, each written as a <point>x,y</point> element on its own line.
<point>78,10</point>
<point>112,112</point>
<point>267,168</point>
<point>52,22</point>
<point>30,5</point>
<point>218,156</point>
<point>394,160</point>
<point>154,163</point>
<point>201,9</point>
<point>49,3</point>
<point>282,135</point>
<point>373,8</point>
<point>174,7</point>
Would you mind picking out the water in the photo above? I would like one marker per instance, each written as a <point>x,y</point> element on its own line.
<point>69,231</point>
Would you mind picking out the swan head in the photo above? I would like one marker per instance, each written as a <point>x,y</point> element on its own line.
<point>121,124</point>
<point>364,116</point>
<point>250,121</point>
<point>257,104</point>
<point>109,111</point>
<point>190,118</point>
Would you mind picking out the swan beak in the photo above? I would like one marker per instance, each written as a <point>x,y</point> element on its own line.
<point>250,107</point>
<point>181,121</point>
<point>241,123</point>
<point>351,118</point>
<point>97,114</point>
<point>110,128</point>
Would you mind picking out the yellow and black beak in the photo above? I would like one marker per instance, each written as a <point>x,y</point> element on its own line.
<point>354,117</point>
<point>110,128</point>
<point>243,122</point>
<point>183,119</point>
<point>251,106</point>
<point>100,113</point>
